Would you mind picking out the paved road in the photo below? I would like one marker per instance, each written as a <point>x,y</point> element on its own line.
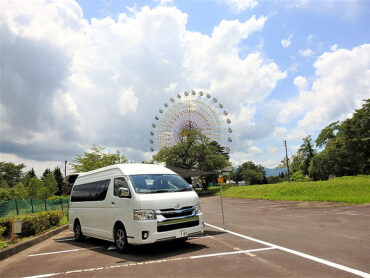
<point>262,239</point>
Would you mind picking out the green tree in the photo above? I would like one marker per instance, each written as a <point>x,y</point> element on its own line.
<point>194,151</point>
<point>299,177</point>
<point>26,178</point>
<point>47,171</point>
<point>33,187</point>
<point>347,147</point>
<point>306,152</point>
<point>59,178</point>
<point>96,159</point>
<point>5,192</point>
<point>326,134</point>
<point>11,173</point>
<point>51,186</point>
<point>20,191</point>
<point>252,173</point>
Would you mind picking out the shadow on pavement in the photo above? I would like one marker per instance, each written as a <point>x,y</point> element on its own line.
<point>140,253</point>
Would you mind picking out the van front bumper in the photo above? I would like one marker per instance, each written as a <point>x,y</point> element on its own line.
<point>165,230</point>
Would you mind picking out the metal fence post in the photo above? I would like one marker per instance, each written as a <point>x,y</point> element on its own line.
<point>32,205</point>
<point>16,206</point>
<point>61,203</point>
<point>45,205</point>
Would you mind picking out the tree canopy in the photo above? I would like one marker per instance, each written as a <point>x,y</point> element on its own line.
<point>96,159</point>
<point>11,173</point>
<point>346,147</point>
<point>250,173</point>
<point>194,151</point>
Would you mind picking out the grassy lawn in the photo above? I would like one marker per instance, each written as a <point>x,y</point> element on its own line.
<point>351,190</point>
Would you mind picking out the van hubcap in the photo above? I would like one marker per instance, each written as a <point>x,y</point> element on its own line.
<point>120,238</point>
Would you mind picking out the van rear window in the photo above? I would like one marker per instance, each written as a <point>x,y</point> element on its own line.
<point>93,191</point>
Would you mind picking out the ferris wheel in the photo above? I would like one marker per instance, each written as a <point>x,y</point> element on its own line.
<point>190,111</point>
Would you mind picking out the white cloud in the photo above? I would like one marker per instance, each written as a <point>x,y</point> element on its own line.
<point>73,83</point>
<point>307,52</point>
<point>238,158</point>
<point>38,166</point>
<point>280,133</point>
<point>300,82</point>
<point>287,42</point>
<point>127,102</point>
<point>171,88</point>
<point>309,38</point>
<point>165,2</point>
<point>334,47</point>
<point>341,83</point>
<point>238,6</point>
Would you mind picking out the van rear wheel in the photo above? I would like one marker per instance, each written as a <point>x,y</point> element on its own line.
<point>78,232</point>
<point>120,239</point>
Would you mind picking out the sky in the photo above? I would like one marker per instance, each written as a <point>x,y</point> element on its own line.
<point>77,73</point>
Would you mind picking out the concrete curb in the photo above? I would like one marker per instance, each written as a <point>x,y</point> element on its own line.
<point>18,247</point>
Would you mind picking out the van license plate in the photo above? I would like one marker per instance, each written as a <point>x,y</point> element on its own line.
<point>181,233</point>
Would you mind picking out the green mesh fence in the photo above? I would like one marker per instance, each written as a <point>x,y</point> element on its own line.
<point>17,207</point>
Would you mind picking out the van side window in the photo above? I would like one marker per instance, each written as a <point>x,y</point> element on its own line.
<point>119,182</point>
<point>92,191</point>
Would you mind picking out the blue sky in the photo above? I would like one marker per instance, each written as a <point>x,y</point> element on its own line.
<point>95,72</point>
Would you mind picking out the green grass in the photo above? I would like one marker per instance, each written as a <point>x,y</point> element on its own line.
<point>351,190</point>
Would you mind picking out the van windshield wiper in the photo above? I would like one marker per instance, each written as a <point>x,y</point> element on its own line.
<point>160,190</point>
<point>183,189</point>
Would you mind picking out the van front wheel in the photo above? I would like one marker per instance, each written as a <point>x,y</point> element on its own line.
<point>120,239</point>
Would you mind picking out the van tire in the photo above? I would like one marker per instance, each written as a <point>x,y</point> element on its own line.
<point>120,238</point>
<point>78,231</point>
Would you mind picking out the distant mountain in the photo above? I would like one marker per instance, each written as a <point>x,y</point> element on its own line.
<point>274,172</point>
<point>269,172</point>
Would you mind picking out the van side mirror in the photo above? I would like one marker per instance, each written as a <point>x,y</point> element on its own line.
<point>124,192</point>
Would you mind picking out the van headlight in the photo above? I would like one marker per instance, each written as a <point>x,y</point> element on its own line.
<point>197,208</point>
<point>144,214</point>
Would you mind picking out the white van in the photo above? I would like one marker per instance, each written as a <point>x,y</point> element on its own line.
<point>135,204</point>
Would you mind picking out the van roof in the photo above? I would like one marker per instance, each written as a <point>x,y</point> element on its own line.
<point>132,169</point>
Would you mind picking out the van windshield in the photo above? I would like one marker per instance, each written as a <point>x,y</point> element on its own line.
<point>158,183</point>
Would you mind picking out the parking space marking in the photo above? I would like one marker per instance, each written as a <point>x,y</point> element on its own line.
<point>310,257</point>
<point>232,253</point>
<point>151,262</point>
<point>198,237</point>
<point>65,251</point>
<point>64,239</point>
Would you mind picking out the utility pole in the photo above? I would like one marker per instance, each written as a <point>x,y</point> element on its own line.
<point>65,168</point>
<point>287,159</point>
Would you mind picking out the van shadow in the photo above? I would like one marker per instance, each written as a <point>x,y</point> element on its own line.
<point>142,253</point>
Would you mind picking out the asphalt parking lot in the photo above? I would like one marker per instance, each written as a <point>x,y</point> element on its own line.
<point>261,239</point>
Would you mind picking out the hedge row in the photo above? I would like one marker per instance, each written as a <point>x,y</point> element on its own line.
<point>32,224</point>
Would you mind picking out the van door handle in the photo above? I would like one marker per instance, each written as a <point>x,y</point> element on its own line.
<point>113,203</point>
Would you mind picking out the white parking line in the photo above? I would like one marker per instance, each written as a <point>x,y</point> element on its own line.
<point>316,259</point>
<point>197,237</point>
<point>65,239</point>
<point>64,251</point>
<point>151,262</point>
<point>232,253</point>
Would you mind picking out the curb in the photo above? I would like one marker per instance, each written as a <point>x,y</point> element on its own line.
<point>18,247</point>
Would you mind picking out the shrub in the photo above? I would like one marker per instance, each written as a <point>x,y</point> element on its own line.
<point>55,216</point>
<point>32,223</point>
<point>299,177</point>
